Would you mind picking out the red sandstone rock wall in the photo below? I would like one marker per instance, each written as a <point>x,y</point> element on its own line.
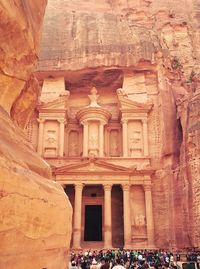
<point>162,36</point>
<point>34,209</point>
<point>19,42</point>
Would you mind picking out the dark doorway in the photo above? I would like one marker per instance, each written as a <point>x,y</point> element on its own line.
<point>93,223</point>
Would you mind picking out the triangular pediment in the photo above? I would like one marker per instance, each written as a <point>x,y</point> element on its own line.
<point>91,166</point>
<point>127,104</point>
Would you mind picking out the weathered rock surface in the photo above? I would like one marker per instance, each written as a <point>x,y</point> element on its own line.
<point>34,209</point>
<point>19,43</point>
<point>23,107</point>
<point>160,39</point>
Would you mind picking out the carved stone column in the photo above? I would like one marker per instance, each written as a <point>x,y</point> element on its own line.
<point>61,137</point>
<point>107,217</point>
<point>77,216</point>
<point>101,139</point>
<point>145,137</point>
<point>40,136</point>
<point>127,216</point>
<point>149,215</point>
<point>125,137</point>
<point>85,139</point>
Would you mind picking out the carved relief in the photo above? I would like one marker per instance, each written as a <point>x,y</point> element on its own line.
<point>140,220</point>
<point>135,139</point>
<point>51,138</point>
<point>135,142</point>
<point>50,148</point>
<point>93,145</point>
<point>138,212</point>
<point>114,143</point>
<point>73,144</point>
<point>93,141</point>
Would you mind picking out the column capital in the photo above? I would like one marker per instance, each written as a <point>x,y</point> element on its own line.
<point>147,187</point>
<point>125,187</point>
<point>78,186</point>
<point>62,121</point>
<point>124,121</point>
<point>144,121</point>
<point>101,122</point>
<point>107,187</point>
<point>84,122</point>
<point>41,120</point>
<point>147,178</point>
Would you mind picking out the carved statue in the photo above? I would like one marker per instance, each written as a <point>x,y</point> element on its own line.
<point>93,141</point>
<point>51,139</point>
<point>93,145</point>
<point>140,220</point>
<point>134,141</point>
<point>93,98</point>
<point>114,148</point>
<point>73,149</point>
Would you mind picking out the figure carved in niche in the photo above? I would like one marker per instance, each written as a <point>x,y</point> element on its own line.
<point>73,143</point>
<point>114,145</point>
<point>51,138</point>
<point>93,145</point>
<point>93,98</point>
<point>114,148</point>
<point>73,149</point>
<point>93,141</point>
<point>135,142</point>
<point>140,220</point>
<point>140,225</point>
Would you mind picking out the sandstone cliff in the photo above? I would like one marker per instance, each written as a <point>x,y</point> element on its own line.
<point>159,39</point>
<point>34,209</point>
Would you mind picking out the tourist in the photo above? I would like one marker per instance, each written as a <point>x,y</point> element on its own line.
<point>118,264</point>
<point>106,264</point>
<point>94,264</point>
<point>73,265</point>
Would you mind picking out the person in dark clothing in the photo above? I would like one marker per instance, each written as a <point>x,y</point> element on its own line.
<point>105,265</point>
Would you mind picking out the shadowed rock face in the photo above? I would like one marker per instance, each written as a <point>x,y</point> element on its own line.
<point>34,209</point>
<point>160,36</point>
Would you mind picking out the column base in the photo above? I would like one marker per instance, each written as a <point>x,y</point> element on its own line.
<point>128,246</point>
<point>76,248</point>
<point>151,246</point>
<point>107,247</point>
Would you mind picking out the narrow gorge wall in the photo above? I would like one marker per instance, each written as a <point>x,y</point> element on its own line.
<point>34,209</point>
<point>158,42</point>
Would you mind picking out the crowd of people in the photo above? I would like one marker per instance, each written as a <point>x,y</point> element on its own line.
<point>130,259</point>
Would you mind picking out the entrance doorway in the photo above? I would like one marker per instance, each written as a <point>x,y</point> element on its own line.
<point>93,223</point>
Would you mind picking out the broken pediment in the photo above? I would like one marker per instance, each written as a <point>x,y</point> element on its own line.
<point>59,103</point>
<point>127,104</point>
<point>91,166</point>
